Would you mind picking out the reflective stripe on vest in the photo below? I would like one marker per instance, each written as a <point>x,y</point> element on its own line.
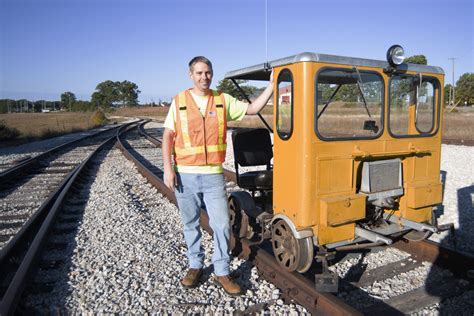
<point>200,149</point>
<point>184,119</point>
<point>220,114</point>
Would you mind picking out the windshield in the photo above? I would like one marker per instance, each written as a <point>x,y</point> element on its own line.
<point>349,104</point>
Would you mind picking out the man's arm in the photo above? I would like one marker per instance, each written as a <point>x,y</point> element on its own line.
<point>169,174</point>
<point>262,99</point>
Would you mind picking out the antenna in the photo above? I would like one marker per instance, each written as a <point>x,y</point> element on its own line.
<point>266,65</point>
<point>266,33</point>
<point>452,97</point>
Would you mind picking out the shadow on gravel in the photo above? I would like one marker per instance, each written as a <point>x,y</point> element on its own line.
<point>349,291</point>
<point>456,297</point>
<point>10,186</point>
<point>465,233</point>
<point>51,286</point>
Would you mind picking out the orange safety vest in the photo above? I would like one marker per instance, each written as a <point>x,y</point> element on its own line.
<point>200,140</point>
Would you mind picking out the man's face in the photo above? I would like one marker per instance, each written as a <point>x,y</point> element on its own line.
<point>201,75</point>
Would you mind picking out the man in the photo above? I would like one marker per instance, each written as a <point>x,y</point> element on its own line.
<point>195,131</point>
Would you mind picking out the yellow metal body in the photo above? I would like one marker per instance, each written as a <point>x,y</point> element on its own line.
<point>315,181</point>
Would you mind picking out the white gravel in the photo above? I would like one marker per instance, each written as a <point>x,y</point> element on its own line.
<point>457,167</point>
<point>130,250</point>
<point>130,256</point>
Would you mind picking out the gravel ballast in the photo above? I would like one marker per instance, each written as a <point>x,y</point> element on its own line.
<point>130,256</point>
<point>130,252</point>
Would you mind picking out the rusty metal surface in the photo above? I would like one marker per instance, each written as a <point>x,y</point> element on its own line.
<point>150,176</point>
<point>457,262</point>
<point>20,257</point>
<point>294,286</point>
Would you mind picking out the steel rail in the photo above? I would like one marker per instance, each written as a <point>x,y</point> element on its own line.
<point>460,263</point>
<point>294,286</point>
<point>39,229</point>
<point>12,172</point>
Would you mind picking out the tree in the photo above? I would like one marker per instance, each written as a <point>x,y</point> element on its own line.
<point>67,100</point>
<point>465,88</point>
<point>227,86</point>
<point>128,93</point>
<point>112,93</point>
<point>417,59</point>
<point>7,105</point>
<point>106,94</point>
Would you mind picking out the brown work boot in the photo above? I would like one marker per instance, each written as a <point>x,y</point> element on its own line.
<point>229,285</point>
<point>191,279</point>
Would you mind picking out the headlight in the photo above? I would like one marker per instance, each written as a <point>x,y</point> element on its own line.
<point>395,55</point>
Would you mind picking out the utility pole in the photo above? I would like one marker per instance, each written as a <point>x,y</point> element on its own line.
<point>452,96</point>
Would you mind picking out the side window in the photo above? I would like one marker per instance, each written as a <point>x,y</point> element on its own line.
<point>285,104</point>
<point>412,105</point>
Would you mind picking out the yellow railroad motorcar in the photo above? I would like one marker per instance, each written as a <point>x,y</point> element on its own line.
<point>355,159</point>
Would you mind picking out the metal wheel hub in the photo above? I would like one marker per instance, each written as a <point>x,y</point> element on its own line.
<point>292,254</point>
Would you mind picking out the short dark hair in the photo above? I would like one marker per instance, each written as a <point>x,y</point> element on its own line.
<point>198,59</point>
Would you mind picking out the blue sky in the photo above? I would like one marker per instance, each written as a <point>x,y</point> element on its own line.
<point>51,46</point>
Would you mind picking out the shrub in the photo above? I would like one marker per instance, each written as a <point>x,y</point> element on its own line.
<point>98,118</point>
<point>7,133</point>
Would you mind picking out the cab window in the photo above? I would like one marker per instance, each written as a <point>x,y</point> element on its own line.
<point>285,104</point>
<point>412,105</point>
<point>348,104</point>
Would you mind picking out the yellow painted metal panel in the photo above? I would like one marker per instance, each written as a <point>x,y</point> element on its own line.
<point>342,209</point>
<point>310,175</point>
<point>327,235</point>
<point>418,215</point>
<point>335,175</point>
<point>421,195</point>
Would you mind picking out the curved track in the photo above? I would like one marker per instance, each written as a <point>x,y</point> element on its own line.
<point>358,281</point>
<point>57,216</point>
<point>453,276</point>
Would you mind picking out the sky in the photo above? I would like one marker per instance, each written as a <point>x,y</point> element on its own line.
<point>48,47</point>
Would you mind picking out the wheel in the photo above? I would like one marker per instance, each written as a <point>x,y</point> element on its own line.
<point>292,254</point>
<point>240,226</point>
<point>239,221</point>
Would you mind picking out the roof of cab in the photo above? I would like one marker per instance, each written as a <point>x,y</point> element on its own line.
<point>260,71</point>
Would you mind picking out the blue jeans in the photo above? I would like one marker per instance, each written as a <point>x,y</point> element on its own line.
<point>207,191</point>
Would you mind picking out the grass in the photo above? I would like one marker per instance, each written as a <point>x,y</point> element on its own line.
<point>8,132</point>
<point>456,125</point>
<point>157,113</point>
<point>32,126</point>
<point>35,126</point>
<point>459,125</point>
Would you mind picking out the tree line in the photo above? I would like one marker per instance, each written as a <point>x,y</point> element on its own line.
<point>107,94</point>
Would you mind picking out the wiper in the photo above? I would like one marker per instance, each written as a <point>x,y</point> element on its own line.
<point>418,91</point>
<point>359,85</point>
<point>329,101</point>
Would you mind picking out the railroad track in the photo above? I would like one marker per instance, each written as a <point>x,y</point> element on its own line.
<point>46,233</point>
<point>29,186</point>
<point>358,279</point>
<point>442,273</point>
